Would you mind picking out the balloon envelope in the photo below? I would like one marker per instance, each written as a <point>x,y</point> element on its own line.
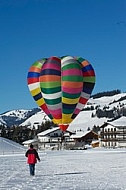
<point>61,86</point>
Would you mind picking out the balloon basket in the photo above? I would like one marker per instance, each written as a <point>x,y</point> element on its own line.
<point>63,127</point>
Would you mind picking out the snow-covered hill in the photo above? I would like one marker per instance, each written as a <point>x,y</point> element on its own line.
<point>10,147</point>
<point>84,121</point>
<point>36,119</point>
<point>109,100</point>
<point>15,117</point>
<point>96,112</point>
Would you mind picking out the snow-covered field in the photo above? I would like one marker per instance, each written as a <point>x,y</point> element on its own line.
<point>92,169</point>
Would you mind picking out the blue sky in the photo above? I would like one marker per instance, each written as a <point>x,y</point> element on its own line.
<point>33,29</point>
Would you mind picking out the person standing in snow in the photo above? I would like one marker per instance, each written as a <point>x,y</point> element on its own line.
<point>32,157</point>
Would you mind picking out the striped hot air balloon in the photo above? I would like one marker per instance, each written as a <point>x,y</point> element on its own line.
<point>61,86</point>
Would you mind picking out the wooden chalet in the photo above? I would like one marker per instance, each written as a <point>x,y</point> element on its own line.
<point>82,138</point>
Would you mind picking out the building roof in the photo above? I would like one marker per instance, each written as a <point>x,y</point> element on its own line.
<point>48,131</point>
<point>118,123</point>
<point>79,134</point>
<point>95,141</point>
<point>30,141</point>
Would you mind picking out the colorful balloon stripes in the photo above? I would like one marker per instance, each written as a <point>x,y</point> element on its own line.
<point>61,86</point>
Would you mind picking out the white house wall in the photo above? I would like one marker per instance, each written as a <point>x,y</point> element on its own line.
<point>110,127</point>
<point>122,144</point>
<point>43,139</point>
<point>109,144</point>
<point>113,136</point>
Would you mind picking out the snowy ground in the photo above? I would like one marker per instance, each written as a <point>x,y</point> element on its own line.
<point>97,169</point>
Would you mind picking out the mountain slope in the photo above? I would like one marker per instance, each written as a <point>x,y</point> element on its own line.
<point>8,146</point>
<point>16,117</point>
<point>96,112</point>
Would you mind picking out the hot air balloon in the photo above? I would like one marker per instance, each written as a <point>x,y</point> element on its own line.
<point>61,86</point>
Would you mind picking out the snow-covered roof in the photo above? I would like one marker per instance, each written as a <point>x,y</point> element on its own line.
<point>95,141</point>
<point>119,122</point>
<point>79,134</point>
<point>48,131</point>
<point>30,141</point>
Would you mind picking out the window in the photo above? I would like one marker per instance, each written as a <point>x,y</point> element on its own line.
<point>55,134</point>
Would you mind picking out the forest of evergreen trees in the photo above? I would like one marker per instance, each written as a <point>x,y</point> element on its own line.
<point>20,134</point>
<point>106,93</point>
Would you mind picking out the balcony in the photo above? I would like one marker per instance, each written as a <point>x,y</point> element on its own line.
<point>106,139</point>
<point>112,133</point>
